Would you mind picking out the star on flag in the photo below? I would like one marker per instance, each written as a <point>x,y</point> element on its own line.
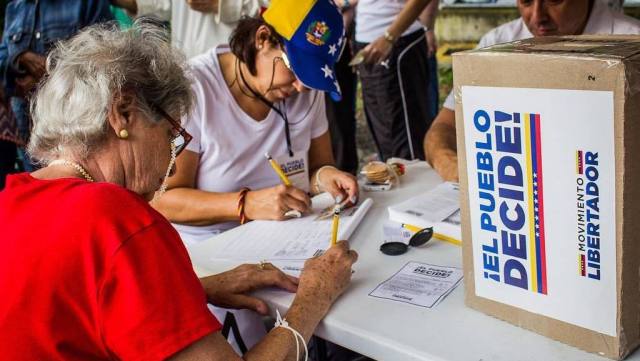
<point>328,73</point>
<point>333,48</point>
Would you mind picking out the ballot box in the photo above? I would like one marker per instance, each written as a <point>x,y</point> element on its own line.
<point>548,137</point>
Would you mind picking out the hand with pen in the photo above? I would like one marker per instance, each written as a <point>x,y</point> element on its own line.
<point>275,202</point>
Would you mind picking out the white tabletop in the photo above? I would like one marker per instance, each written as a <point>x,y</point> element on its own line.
<point>388,330</point>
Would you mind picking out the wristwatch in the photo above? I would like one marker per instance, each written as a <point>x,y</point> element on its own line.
<point>388,37</point>
<point>345,5</point>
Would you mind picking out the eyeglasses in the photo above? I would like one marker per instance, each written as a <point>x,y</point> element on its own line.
<point>180,136</point>
<point>397,248</point>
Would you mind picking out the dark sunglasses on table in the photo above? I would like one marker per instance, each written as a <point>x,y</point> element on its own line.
<point>180,136</point>
<point>418,239</point>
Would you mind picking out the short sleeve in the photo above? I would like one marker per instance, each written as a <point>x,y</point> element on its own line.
<point>449,103</point>
<point>151,303</point>
<point>191,123</point>
<point>319,122</point>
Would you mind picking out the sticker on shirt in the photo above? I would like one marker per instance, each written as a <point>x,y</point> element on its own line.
<point>296,168</point>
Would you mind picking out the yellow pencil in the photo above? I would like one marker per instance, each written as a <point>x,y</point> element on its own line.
<point>278,170</point>
<point>411,228</point>
<point>334,225</point>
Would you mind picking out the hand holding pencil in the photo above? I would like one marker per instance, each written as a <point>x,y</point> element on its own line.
<point>279,202</point>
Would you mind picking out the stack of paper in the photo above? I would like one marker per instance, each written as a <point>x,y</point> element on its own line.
<point>438,208</point>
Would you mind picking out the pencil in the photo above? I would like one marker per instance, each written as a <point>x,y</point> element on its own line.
<point>334,226</point>
<point>411,228</point>
<point>276,167</point>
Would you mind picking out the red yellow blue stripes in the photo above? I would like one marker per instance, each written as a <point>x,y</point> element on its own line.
<point>534,169</point>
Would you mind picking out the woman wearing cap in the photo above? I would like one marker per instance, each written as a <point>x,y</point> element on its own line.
<point>252,98</point>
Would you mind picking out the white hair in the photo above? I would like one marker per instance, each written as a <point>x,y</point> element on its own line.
<point>86,73</point>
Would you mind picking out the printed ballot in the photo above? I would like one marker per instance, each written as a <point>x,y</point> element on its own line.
<point>419,284</point>
<point>549,172</point>
<point>293,239</point>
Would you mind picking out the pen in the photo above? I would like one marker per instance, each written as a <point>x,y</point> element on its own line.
<point>278,170</point>
<point>334,225</point>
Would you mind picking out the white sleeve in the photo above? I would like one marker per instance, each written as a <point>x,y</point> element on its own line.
<point>449,103</point>
<point>158,8</point>
<point>319,123</point>
<point>230,11</point>
<point>192,123</point>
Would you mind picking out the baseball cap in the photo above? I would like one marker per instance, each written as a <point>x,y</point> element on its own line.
<point>314,37</point>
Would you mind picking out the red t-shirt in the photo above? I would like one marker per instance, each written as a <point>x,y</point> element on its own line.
<point>89,271</point>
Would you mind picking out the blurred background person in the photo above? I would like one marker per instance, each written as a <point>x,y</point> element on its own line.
<point>342,114</point>
<point>9,140</point>
<point>394,75</point>
<point>428,20</point>
<point>31,28</point>
<point>199,25</point>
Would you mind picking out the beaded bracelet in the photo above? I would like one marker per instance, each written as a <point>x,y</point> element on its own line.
<point>241,200</point>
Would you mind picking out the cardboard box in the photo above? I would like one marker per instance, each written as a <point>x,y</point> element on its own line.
<point>549,155</point>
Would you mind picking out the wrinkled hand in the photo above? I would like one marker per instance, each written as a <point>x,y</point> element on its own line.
<point>205,6</point>
<point>272,203</point>
<point>432,43</point>
<point>446,164</point>
<point>33,63</point>
<point>377,51</point>
<point>229,289</point>
<point>324,278</point>
<point>341,185</point>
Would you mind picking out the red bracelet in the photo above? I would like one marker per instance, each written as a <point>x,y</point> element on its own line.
<point>241,199</point>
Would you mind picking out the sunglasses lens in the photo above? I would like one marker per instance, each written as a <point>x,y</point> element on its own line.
<point>394,248</point>
<point>421,237</point>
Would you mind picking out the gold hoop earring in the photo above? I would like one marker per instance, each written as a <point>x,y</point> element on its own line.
<point>123,134</point>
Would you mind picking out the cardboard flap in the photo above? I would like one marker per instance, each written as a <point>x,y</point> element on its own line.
<point>600,46</point>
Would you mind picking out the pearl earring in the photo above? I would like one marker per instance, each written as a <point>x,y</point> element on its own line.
<point>123,134</point>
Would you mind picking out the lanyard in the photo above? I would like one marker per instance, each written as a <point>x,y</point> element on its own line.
<point>282,114</point>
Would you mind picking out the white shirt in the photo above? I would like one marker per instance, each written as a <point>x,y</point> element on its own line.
<point>601,21</point>
<point>195,32</point>
<point>231,145</point>
<point>373,18</point>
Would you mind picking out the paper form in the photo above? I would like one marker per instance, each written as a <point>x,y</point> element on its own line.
<point>294,239</point>
<point>419,284</point>
<point>433,206</point>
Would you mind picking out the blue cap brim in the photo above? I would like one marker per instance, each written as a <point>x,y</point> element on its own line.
<point>314,71</point>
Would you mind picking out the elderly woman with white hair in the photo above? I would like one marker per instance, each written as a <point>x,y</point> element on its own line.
<point>88,269</point>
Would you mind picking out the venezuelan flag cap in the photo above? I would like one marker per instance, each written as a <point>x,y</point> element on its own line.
<point>313,35</point>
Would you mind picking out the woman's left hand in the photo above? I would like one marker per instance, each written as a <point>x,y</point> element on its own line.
<point>341,185</point>
<point>230,289</point>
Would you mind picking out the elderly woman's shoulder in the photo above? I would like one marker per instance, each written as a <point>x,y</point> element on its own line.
<point>112,201</point>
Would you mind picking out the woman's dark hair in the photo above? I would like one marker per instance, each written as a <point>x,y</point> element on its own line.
<point>242,40</point>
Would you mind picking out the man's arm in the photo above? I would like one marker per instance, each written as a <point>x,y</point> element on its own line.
<point>440,145</point>
<point>428,19</point>
<point>380,48</point>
